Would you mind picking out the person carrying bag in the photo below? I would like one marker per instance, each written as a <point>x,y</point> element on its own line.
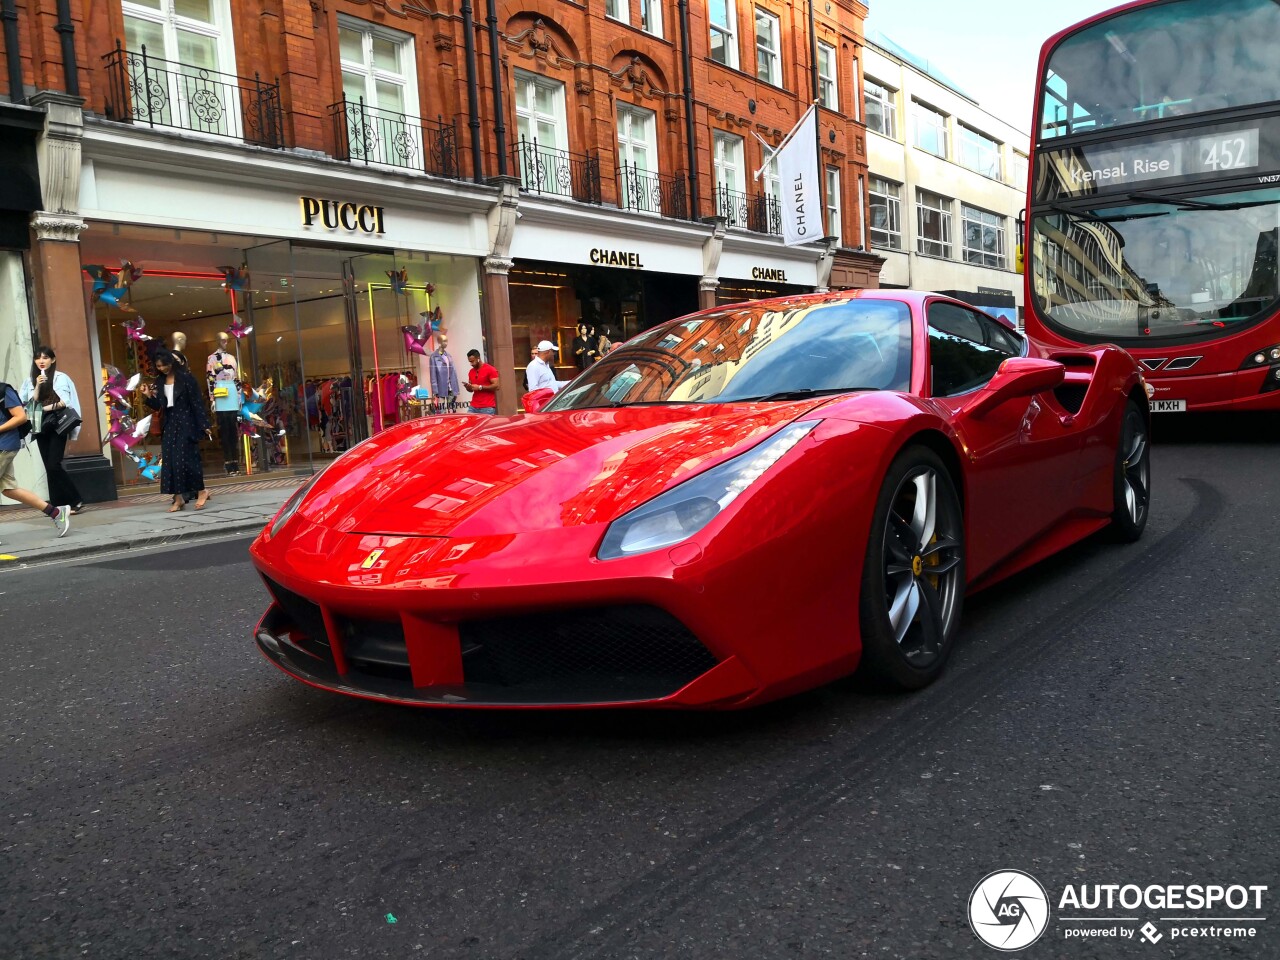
<point>54,409</point>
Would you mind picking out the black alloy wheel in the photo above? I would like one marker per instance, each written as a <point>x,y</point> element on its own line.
<point>1132,476</point>
<point>914,575</point>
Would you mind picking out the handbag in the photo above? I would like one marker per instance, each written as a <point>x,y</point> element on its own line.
<point>60,421</point>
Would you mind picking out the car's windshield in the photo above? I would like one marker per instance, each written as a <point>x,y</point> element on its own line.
<point>768,350</point>
<point>1158,267</point>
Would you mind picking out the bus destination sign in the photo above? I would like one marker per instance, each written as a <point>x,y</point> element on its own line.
<point>1224,152</point>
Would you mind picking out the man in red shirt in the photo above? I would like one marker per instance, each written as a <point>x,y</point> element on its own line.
<point>482,382</point>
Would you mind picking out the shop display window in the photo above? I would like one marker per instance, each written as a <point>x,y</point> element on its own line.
<point>329,344</point>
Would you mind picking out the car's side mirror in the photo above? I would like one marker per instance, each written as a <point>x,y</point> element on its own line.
<point>1017,377</point>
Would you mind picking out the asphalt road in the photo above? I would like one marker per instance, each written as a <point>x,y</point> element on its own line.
<point>1108,718</point>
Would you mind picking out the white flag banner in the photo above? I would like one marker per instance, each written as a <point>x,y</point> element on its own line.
<point>798,174</point>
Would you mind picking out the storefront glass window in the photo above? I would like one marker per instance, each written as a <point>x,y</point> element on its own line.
<point>323,345</point>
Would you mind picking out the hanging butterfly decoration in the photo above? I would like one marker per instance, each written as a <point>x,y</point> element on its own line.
<point>107,286</point>
<point>235,278</point>
<point>417,339</point>
<point>399,280</point>
<point>421,339</point>
<point>126,435</point>
<point>238,328</point>
<point>118,386</point>
<point>133,328</point>
<point>148,465</point>
<point>128,274</point>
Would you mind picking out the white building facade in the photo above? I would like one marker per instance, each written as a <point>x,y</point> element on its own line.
<point>948,181</point>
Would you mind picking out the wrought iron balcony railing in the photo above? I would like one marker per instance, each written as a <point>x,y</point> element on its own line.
<point>545,170</point>
<point>758,212</point>
<point>366,134</point>
<point>142,88</point>
<point>648,192</point>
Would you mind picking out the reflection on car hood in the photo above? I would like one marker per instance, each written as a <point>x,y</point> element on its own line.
<point>473,476</point>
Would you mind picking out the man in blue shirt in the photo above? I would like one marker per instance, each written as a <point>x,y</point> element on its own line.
<point>15,415</point>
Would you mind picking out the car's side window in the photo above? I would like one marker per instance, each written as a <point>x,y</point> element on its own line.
<point>959,357</point>
<point>999,337</point>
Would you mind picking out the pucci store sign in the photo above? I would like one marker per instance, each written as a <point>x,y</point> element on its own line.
<point>342,215</point>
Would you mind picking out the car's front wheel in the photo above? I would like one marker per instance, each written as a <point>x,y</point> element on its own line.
<point>913,577</point>
<point>1132,478</point>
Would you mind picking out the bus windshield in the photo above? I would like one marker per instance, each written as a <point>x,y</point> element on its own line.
<point>1158,268</point>
<point>1167,60</point>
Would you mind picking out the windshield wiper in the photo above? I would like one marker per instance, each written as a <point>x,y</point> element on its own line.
<point>1095,218</point>
<point>798,394</point>
<point>1197,204</point>
<point>1171,202</point>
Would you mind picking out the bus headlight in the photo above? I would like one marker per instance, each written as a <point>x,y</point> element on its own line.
<point>1260,358</point>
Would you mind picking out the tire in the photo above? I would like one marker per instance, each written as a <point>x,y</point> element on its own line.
<point>913,577</point>
<point>1132,479</point>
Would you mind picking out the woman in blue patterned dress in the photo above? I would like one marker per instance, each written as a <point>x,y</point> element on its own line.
<point>185,423</point>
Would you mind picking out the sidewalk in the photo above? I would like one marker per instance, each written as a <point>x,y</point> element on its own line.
<point>135,522</point>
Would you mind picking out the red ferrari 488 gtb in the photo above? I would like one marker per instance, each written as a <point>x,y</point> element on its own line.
<point>729,508</point>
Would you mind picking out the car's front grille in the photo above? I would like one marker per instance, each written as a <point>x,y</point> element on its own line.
<point>310,634</point>
<point>608,653</point>
<point>375,647</point>
<point>597,655</point>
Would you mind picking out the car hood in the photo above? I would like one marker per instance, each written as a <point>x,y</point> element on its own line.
<point>482,475</point>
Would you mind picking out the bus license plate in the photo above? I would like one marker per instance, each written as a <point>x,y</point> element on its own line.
<point>1168,406</point>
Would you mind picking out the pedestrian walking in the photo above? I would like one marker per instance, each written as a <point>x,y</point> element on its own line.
<point>539,373</point>
<point>482,384</point>
<point>54,394</point>
<point>10,444</point>
<point>175,392</point>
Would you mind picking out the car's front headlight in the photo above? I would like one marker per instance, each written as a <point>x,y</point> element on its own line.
<point>685,509</point>
<point>292,504</point>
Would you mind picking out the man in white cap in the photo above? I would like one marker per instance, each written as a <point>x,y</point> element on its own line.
<point>539,372</point>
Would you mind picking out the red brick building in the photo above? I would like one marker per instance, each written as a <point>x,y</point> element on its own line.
<point>573,163</point>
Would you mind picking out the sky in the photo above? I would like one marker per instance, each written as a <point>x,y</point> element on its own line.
<point>990,48</point>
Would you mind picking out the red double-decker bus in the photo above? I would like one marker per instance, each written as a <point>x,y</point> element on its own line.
<point>1154,207</point>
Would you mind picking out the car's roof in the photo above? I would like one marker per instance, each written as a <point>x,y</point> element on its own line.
<point>915,298</point>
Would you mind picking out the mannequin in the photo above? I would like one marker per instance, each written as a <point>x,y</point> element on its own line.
<point>178,344</point>
<point>224,397</point>
<point>444,373</point>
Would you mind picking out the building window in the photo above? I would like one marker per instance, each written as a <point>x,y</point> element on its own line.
<point>933,224</point>
<point>833,203</point>
<point>543,133</point>
<point>731,201</point>
<point>768,34</point>
<point>983,237</point>
<point>929,129</point>
<point>638,158</point>
<point>724,40</point>
<point>882,108</point>
<point>377,67</point>
<point>540,110</point>
<point>828,95</point>
<point>194,36</point>
<point>379,86</point>
<point>886,213</point>
<point>1019,171</point>
<point>979,153</point>
<point>651,17</point>
<point>772,181</point>
<point>618,10</point>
